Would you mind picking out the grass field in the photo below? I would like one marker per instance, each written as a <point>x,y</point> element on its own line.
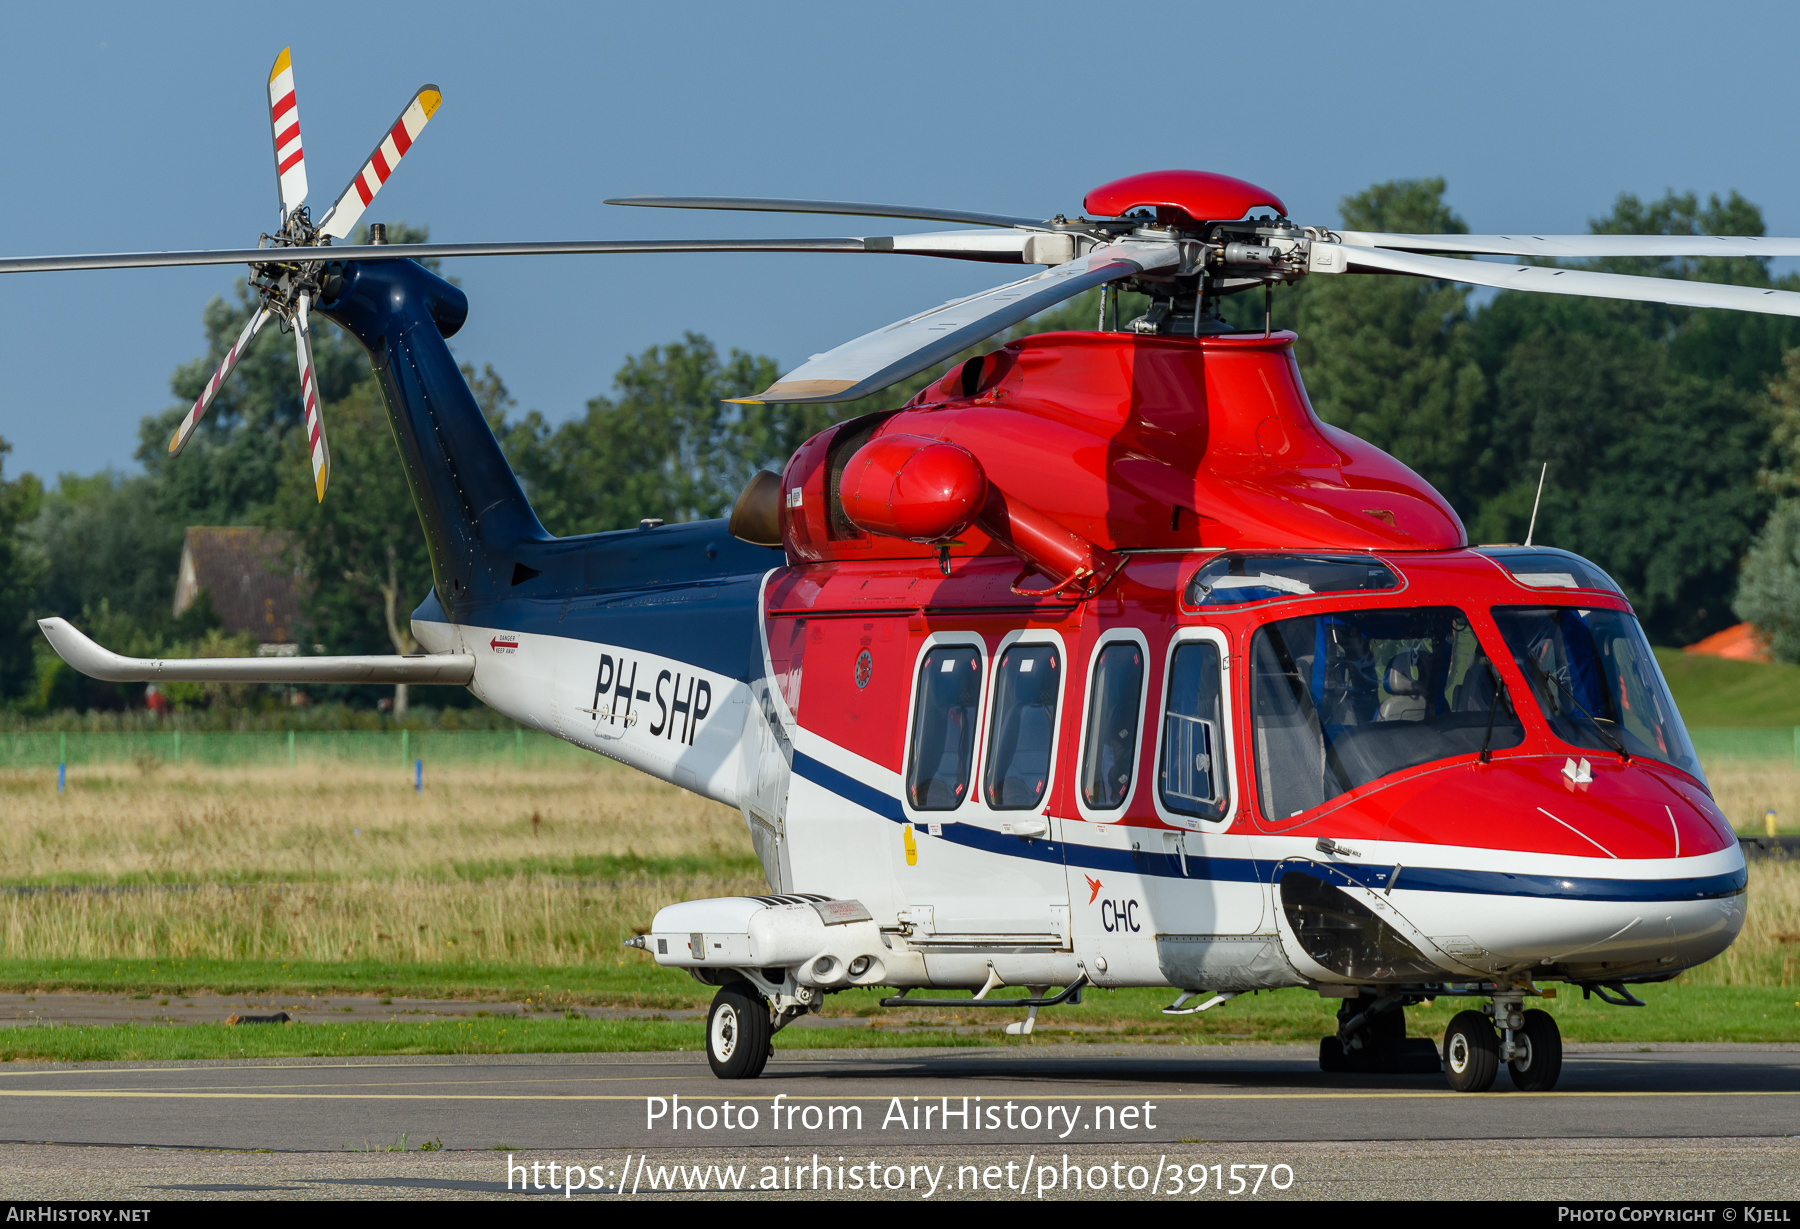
<point>519,885</point>
<point>1711,691</point>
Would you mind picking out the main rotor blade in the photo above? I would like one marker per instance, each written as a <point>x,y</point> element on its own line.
<point>392,147</point>
<point>284,120</point>
<point>1550,280</point>
<point>309,399</point>
<point>185,431</point>
<point>875,360</point>
<point>896,244</point>
<point>762,204</point>
<point>1577,247</point>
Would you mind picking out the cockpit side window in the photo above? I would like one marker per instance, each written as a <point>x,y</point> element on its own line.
<point>1597,682</point>
<point>1193,779</point>
<point>941,755</point>
<point>1339,700</point>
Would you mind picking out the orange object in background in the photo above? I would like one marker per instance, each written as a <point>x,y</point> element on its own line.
<point>1740,643</point>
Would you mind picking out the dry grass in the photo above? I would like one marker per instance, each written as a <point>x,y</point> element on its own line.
<point>1768,949</point>
<point>1744,789</point>
<point>274,867</point>
<point>517,920</point>
<point>550,866</point>
<point>343,824</point>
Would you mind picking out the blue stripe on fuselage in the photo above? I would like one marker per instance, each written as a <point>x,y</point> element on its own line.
<point>1249,870</point>
<point>688,592</point>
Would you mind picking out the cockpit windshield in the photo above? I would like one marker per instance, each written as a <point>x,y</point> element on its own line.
<point>1340,699</point>
<point>1597,681</point>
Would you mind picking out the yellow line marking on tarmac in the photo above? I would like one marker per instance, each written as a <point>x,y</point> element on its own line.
<point>177,1094</point>
<point>408,1084</point>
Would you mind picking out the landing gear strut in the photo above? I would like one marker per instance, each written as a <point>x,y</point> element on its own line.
<point>1372,1037</point>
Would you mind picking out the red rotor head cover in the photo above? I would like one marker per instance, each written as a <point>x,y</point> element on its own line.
<point>1180,196</point>
<point>907,486</point>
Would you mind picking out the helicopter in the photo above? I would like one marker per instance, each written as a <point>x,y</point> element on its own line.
<point>1102,662</point>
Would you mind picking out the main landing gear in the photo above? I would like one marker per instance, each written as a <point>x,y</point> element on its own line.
<point>739,1032</point>
<point>1371,1037</point>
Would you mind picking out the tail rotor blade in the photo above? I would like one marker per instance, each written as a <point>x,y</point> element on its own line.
<point>309,398</point>
<point>284,119</point>
<point>185,431</point>
<point>405,130</point>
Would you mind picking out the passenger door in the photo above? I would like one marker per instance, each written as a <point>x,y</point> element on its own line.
<point>981,860</point>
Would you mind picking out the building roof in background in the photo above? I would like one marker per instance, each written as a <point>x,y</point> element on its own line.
<point>1739,643</point>
<point>242,568</point>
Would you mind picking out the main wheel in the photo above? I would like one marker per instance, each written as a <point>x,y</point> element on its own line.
<point>737,1033</point>
<point>1537,1053</point>
<point>1471,1053</point>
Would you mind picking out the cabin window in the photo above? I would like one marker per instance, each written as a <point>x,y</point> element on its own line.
<point>1339,700</point>
<point>1193,778</point>
<point>1024,726</point>
<point>1109,750</point>
<point>942,755</point>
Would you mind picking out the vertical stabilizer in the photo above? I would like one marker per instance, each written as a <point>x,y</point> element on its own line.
<point>473,510</point>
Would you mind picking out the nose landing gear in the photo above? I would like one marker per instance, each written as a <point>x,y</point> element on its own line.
<point>1528,1042</point>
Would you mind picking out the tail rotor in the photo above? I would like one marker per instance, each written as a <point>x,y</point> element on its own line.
<point>289,288</point>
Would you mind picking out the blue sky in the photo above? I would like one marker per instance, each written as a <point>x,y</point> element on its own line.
<point>127,127</point>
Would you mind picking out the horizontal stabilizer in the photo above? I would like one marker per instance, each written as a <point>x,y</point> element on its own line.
<point>96,662</point>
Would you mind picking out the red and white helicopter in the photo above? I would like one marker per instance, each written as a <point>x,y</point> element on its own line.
<point>1103,662</point>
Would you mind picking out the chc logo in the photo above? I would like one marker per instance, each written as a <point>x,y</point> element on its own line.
<point>1117,915</point>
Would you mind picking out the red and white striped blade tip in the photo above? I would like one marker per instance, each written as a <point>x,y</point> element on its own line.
<point>400,136</point>
<point>189,424</point>
<point>284,120</point>
<point>315,419</point>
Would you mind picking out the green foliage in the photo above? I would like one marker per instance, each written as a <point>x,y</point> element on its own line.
<point>20,500</point>
<point>362,547</point>
<point>103,540</point>
<point>1652,418</point>
<point>664,445</point>
<point>1769,589</point>
<point>1387,358</point>
<point>1715,692</point>
<point>1670,434</point>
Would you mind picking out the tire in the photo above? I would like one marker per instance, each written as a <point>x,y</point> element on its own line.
<point>1537,1053</point>
<point>1471,1053</point>
<point>738,1032</point>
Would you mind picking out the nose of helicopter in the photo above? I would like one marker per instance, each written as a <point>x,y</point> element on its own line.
<point>1592,868</point>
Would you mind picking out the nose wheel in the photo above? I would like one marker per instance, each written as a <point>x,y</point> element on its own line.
<point>1537,1053</point>
<point>1530,1046</point>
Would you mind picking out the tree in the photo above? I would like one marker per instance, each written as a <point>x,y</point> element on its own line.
<point>664,445</point>
<point>1768,592</point>
<point>363,548</point>
<point>1387,358</point>
<point>20,499</point>
<point>101,541</point>
<point>230,470</point>
<point>1653,419</point>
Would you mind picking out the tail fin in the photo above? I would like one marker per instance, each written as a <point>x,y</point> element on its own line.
<point>473,510</point>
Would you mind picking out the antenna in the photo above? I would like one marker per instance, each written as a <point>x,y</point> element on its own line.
<point>1532,528</point>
